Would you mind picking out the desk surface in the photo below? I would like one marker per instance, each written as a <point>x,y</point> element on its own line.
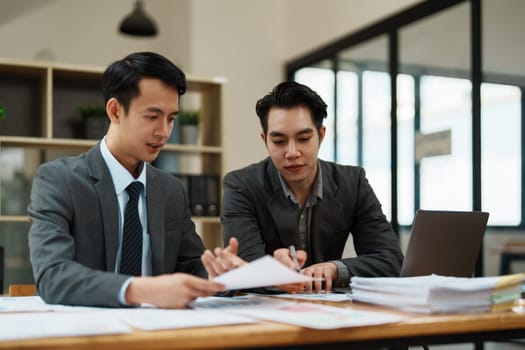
<point>418,329</point>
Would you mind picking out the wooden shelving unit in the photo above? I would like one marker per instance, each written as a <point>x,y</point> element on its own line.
<point>42,123</point>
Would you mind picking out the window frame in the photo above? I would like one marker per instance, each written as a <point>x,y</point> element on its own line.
<point>391,27</point>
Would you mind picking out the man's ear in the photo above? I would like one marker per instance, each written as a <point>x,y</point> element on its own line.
<point>322,133</point>
<point>114,110</point>
<point>263,137</point>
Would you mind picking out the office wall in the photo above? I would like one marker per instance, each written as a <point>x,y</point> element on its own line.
<point>245,41</point>
<point>312,23</point>
<point>86,32</point>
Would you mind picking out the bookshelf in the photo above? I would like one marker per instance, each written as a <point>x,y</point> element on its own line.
<point>43,123</point>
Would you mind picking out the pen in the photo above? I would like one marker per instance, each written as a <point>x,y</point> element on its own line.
<point>293,253</point>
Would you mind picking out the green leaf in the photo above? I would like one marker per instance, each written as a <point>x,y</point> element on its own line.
<point>189,117</point>
<point>2,112</point>
<point>92,110</point>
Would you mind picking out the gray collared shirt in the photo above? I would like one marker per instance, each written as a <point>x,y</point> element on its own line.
<point>304,219</point>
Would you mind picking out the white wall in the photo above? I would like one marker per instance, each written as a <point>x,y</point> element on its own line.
<point>86,32</point>
<point>245,41</point>
<point>313,23</point>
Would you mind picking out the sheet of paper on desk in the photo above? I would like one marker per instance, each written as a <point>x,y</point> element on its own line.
<point>23,304</point>
<point>263,272</point>
<point>242,301</point>
<point>150,319</point>
<point>335,297</point>
<point>321,316</point>
<point>36,304</point>
<point>300,314</point>
<point>53,324</point>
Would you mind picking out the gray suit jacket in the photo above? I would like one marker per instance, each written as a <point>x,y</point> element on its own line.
<point>73,238</point>
<point>256,211</point>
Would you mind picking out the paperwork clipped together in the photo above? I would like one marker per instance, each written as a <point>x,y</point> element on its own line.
<point>439,294</point>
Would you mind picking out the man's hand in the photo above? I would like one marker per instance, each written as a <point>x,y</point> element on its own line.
<point>173,291</point>
<point>283,255</point>
<point>223,260</point>
<point>326,270</point>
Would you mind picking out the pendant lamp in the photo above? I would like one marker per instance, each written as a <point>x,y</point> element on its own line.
<point>138,23</point>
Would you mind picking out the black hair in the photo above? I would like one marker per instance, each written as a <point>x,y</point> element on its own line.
<point>121,78</point>
<point>291,94</point>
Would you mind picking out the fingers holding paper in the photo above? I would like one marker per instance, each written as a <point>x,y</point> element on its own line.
<point>172,291</point>
<point>222,260</point>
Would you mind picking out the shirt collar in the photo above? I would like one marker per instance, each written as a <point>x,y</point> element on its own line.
<point>120,175</point>
<point>317,190</point>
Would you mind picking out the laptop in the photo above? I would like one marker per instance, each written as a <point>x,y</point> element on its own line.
<point>444,243</point>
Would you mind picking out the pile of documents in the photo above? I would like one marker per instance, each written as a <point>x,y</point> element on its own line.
<point>440,294</point>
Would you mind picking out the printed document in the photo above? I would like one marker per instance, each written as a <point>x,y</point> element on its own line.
<point>263,272</point>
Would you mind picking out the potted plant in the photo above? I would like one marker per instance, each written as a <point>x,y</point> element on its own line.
<point>2,111</point>
<point>189,126</point>
<point>95,121</point>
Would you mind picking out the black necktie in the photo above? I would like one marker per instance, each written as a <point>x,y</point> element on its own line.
<point>131,258</point>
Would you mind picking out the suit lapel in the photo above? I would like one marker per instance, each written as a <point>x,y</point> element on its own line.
<point>108,203</point>
<point>326,214</point>
<point>155,220</point>
<point>282,212</point>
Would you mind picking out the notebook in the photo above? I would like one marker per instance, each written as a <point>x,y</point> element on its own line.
<point>444,243</point>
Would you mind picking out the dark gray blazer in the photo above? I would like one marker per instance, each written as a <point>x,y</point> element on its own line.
<point>256,211</point>
<point>73,238</point>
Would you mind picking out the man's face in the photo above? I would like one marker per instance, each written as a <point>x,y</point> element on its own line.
<point>293,143</point>
<point>140,134</point>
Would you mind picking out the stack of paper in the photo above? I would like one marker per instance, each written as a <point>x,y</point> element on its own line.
<point>439,294</point>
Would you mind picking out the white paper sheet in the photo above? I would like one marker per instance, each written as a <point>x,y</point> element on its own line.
<point>243,301</point>
<point>320,316</point>
<point>335,297</point>
<point>263,272</point>
<point>301,314</point>
<point>150,319</point>
<point>23,304</point>
<point>54,324</point>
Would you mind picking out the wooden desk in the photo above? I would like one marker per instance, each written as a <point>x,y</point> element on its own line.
<point>419,329</point>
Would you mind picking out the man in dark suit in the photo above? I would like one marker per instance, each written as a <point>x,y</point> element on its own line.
<point>294,198</point>
<point>77,207</point>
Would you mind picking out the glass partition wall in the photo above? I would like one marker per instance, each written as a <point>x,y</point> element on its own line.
<point>430,103</point>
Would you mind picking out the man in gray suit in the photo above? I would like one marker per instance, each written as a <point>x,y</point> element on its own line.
<point>77,205</point>
<point>294,198</point>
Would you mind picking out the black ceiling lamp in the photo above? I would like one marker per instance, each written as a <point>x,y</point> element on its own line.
<point>138,23</point>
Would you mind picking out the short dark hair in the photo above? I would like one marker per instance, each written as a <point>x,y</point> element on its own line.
<point>121,78</point>
<point>291,94</point>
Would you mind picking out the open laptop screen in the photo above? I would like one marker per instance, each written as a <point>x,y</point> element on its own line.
<point>444,243</point>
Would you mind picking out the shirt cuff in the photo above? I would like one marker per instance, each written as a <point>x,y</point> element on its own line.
<point>122,292</point>
<point>343,275</point>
